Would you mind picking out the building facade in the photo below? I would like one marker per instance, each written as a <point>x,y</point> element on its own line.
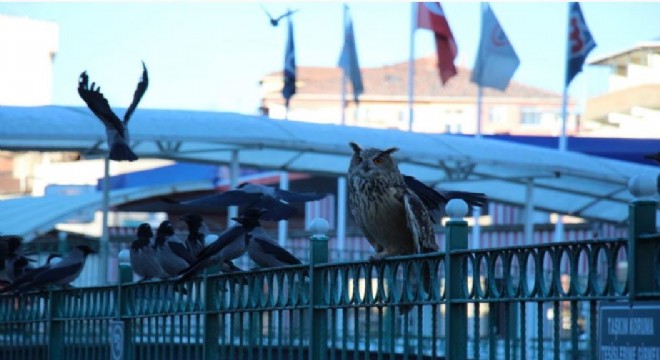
<point>631,106</point>
<point>26,61</point>
<point>520,110</point>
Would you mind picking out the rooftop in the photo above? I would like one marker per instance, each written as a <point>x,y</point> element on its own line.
<point>392,80</point>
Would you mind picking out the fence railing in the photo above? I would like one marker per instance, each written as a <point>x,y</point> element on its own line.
<point>537,301</point>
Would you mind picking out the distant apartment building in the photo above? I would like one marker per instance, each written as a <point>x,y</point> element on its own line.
<point>631,106</point>
<point>520,110</point>
<point>27,51</point>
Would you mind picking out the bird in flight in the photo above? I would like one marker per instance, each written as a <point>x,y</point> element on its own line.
<point>273,201</point>
<point>276,21</point>
<point>115,129</point>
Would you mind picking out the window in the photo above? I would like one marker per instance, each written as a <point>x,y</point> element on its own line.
<point>529,116</point>
<point>497,115</point>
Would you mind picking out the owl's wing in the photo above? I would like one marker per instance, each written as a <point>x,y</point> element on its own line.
<point>419,222</point>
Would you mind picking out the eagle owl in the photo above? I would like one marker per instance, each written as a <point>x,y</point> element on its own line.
<point>392,217</point>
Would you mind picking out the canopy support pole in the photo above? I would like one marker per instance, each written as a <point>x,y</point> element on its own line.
<point>234,169</point>
<point>103,243</point>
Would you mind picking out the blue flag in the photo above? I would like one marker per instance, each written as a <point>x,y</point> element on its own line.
<point>496,59</point>
<point>580,42</point>
<point>289,67</point>
<point>348,60</point>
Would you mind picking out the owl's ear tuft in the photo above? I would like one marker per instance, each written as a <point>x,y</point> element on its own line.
<point>356,148</point>
<point>389,151</point>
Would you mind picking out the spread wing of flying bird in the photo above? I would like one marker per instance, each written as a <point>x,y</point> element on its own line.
<point>116,130</point>
<point>276,21</point>
<point>272,201</point>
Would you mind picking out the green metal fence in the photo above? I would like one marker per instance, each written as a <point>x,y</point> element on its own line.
<point>536,302</point>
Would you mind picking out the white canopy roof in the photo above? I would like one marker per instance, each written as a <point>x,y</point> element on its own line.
<point>564,182</point>
<point>30,216</point>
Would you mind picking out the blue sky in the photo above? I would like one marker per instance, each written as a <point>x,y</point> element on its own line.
<point>210,55</point>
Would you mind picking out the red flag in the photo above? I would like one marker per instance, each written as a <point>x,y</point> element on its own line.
<point>430,16</point>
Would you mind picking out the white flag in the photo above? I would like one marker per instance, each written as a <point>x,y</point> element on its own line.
<point>496,60</point>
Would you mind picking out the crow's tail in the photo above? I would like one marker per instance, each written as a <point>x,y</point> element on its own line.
<point>121,152</point>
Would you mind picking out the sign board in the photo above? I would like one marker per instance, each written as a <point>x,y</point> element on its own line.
<point>116,339</point>
<point>629,330</point>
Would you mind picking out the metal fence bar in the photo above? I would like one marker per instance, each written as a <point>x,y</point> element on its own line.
<point>641,248</point>
<point>456,325</point>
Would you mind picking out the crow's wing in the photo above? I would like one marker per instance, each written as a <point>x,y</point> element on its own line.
<point>181,251</point>
<point>139,92</point>
<point>24,279</point>
<point>267,13</point>
<point>257,188</point>
<point>52,275</point>
<point>288,13</point>
<point>227,198</point>
<point>98,103</point>
<point>275,210</point>
<point>292,196</point>
<point>234,233</point>
<point>229,266</point>
<point>269,248</point>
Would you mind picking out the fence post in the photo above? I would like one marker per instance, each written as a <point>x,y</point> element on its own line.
<point>211,316</point>
<point>456,237</point>
<point>125,277</point>
<point>318,254</point>
<point>56,330</point>
<point>641,221</point>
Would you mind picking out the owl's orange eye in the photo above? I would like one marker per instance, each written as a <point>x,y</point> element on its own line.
<point>378,161</point>
<point>358,159</point>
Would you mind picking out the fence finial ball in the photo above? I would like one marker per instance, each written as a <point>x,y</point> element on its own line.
<point>456,209</point>
<point>124,257</point>
<point>643,185</point>
<point>319,226</point>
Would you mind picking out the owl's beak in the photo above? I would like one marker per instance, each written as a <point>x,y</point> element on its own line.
<point>366,167</point>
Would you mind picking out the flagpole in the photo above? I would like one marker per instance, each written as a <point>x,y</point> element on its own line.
<point>564,98</point>
<point>564,114</point>
<point>411,65</point>
<point>480,91</point>
<point>343,75</point>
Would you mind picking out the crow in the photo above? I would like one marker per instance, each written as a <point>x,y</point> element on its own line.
<point>231,244</point>
<point>197,233</point>
<point>265,252</point>
<point>273,201</point>
<point>171,252</point>
<point>143,255</point>
<point>61,273</point>
<point>276,21</point>
<point>116,130</point>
